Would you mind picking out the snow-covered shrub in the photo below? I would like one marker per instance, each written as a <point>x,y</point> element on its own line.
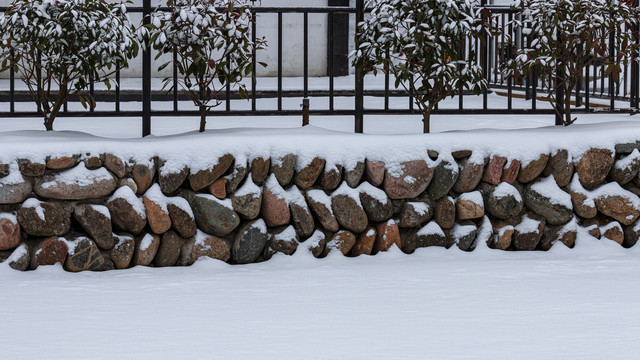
<point>65,45</point>
<point>426,42</point>
<point>212,40</point>
<point>573,34</point>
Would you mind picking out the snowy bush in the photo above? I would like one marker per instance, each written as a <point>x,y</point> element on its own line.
<point>212,40</point>
<point>59,47</point>
<point>573,34</point>
<point>426,45</point>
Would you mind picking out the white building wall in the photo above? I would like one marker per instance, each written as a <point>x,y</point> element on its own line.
<point>292,41</point>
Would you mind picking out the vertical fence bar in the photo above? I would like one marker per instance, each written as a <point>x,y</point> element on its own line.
<point>12,87</point>
<point>534,89</point>
<point>146,74</point>
<point>510,56</point>
<point>254,61</point>
<point>279,60</point>
<point>386,81</point>
<point>175,80</point>
<point>92,94</point>
<point>586,87</point>
<point>612,83</point>
<point>118,88</point>
<point>306,55</point>
<point>330,62</point>
<point>359,98</point>
<point>634,63</point>
<point>484,60</point>
<point>559,92</point>
<point>460,84</point>
<point>228,87</point>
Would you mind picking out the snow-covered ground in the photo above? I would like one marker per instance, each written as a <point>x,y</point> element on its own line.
<point>131,127</point>
<point>579,303</point>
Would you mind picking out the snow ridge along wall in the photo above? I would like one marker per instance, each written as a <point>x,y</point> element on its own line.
<point>94,209</point>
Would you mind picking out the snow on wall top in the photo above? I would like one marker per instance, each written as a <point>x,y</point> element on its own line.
<point>347,148</point>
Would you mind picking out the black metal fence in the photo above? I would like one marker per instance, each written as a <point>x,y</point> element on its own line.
<point>492,53</point>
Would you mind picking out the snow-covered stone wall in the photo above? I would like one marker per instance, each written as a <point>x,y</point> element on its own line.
<point>103,210</point>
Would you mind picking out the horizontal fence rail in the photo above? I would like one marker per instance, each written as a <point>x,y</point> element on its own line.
<point>145,101</point>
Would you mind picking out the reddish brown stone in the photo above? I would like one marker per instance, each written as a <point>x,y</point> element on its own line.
<point>594,167</point>
<point>9,233</point>
<point>469,176</point>
<point>365,243</point>
<point>181,220</point>
<point>306,177</point>
<point>445,213</point>
<point>374,172</point>
<point>503,234</point>
<point>28,168</point>
<point>204,245</point>
<point>330,180</point>
<point>93,162</point>
<point>204,178</point>
<point>461,154</point>
<point>48,252</point>
<point>260,169</point>
<point>618,207</point>
<point>387,234</point>
<point>115,165</point>
<point>493,171</point>
<point>143,176</point>
<point>342,240</point>
<point>158,218</point>
<point>510,174</point>
<point>146,248</point>
<point>349,213</point>
<point>561,166</point>
<point>274,209</point>
<point>410,180</point>
<point>533,169</point>
<point>467,210</point>
<point>61,163</point>
<point>581,207</point>
<point>613,232</point>
<point>219,188</point>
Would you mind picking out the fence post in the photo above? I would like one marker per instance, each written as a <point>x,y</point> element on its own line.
<point>146,73</point>
<point>559,95</point>
<point>634,63</point>
<point>359,101</point>
<point>484,60</point>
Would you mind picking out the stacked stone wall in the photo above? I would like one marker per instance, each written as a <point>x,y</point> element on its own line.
<point>105,212</point>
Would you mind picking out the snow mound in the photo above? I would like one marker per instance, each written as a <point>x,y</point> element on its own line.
<point>346,190</point>
<point>505,189</point>
<point>182,204</point>
<point>248,188</point>
<point>79,176</point>
<point>9,216</point>
<point>550,189</point>
<point>319,196</point>
<point>155,195</point>
<point>102,210</point>
<point>35,204</point>
<point>125,193</point>
<point>474,197</point>
<point>527,225</point>
<point>432,228</point>
<point>374,192</point>
<point>224,202</point>
<point>626,162</point>
<point>146,242</point>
